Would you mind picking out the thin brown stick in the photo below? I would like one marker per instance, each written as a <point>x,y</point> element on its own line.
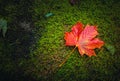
<point>67,57</point>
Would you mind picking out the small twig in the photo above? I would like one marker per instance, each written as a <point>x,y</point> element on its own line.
<point>67,57</point>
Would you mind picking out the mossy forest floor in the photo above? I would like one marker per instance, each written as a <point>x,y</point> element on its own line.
<point>34,54</point>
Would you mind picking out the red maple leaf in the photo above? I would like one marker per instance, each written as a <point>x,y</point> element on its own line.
<point>84,39</point>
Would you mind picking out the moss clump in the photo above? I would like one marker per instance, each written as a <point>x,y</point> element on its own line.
<point>51,51</point>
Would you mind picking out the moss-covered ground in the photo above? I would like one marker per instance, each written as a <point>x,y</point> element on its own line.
<point>48,50</point>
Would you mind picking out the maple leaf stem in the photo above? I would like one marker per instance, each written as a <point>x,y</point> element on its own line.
<point>67,56</point>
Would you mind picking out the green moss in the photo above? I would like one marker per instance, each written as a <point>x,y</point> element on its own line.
<point>51,50</point>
